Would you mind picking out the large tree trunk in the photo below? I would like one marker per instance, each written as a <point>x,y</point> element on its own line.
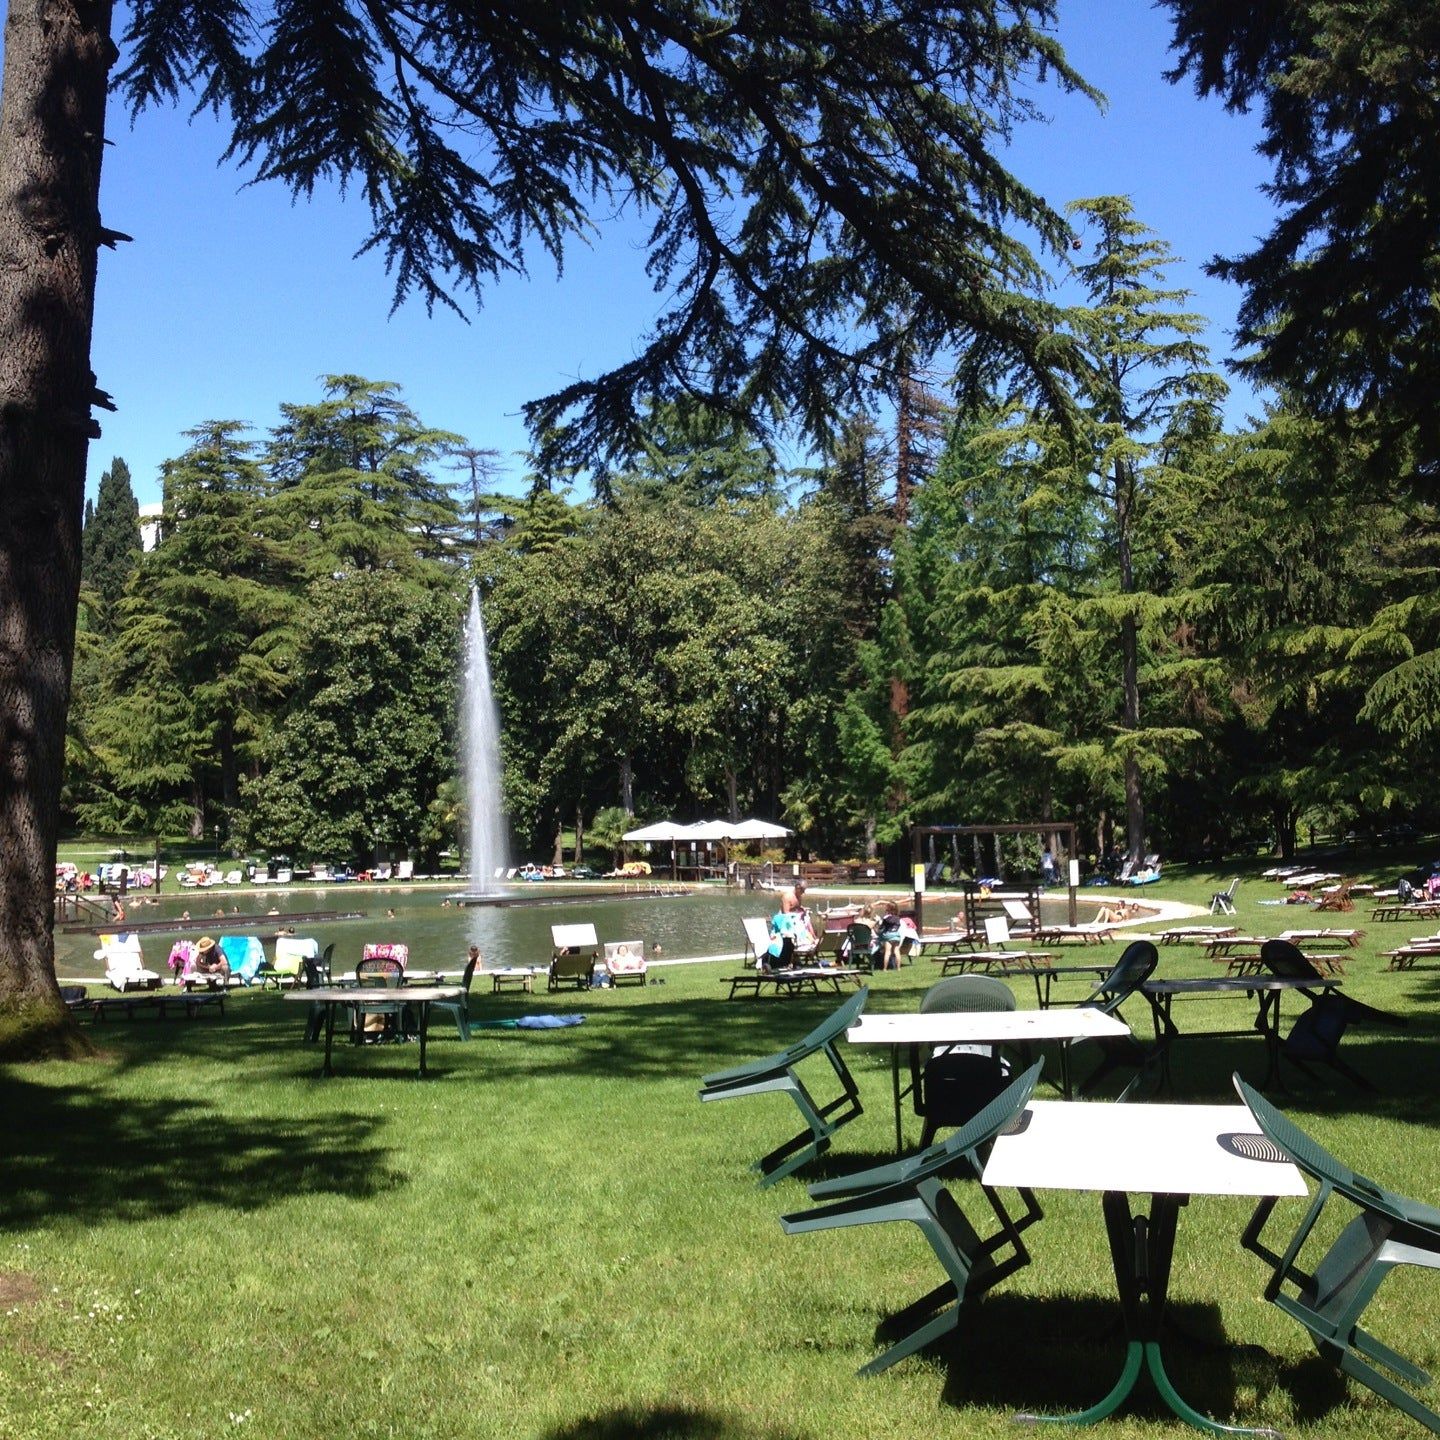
<point>52,122</point>
<point>1130,666</point>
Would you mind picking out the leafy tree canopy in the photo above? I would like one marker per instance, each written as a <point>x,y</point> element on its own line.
<point>822,180</point>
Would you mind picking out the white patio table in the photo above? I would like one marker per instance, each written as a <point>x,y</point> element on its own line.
<point>980,1027</point>
<point>1168,1152</point>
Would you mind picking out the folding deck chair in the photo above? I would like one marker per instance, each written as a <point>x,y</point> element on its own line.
<point>625,962</point>
<point>125,964</point>
<point>575,951</point>
<point>291,952</point>
<point>1222,902</point>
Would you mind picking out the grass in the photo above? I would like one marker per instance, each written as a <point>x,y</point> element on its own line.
<point>553,1238</point>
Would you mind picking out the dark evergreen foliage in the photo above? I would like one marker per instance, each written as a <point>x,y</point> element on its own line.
<point>1340,295</point>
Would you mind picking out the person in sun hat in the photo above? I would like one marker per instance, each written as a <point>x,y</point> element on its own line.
<point>209,960</point>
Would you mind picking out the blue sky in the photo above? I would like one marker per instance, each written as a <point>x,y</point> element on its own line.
<point>232,299</point>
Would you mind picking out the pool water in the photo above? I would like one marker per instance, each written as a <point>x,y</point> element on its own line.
<point>705,923</point>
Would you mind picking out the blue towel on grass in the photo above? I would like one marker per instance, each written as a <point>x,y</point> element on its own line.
<point>529,1022</point>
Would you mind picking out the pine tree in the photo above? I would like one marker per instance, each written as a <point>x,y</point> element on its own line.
<point>1054,636</point>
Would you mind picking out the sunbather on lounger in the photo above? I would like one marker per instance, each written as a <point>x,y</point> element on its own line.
<point>1114,914</point>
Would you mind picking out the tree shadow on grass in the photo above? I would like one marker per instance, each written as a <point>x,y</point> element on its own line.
<point>74,1151</point>
<point>667,1422</point>
<point>629,1034</point>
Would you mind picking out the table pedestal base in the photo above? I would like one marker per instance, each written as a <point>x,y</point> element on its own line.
<point>1141,1248</point>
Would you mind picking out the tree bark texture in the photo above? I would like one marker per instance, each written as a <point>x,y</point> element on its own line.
<point>52,120</point>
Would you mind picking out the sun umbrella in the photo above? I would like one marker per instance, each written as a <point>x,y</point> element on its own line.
<point>659,830</point>
<point>757,830</point>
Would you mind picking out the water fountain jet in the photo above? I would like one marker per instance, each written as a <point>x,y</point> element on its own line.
<point>480,729</point>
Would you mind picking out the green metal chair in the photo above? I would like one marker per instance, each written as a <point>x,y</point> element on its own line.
<point>1329,1302</point>
<point>954,1083</point>
<point>915,1189</point>
<point>1136,964</point>
<point>1316,1035</point>
<point>460,1009</point>
<point>775,1075</point>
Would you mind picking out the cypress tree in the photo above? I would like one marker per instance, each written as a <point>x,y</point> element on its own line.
<point>111,542</point>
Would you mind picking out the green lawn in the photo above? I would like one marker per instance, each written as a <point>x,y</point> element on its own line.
<point>553,1238</point>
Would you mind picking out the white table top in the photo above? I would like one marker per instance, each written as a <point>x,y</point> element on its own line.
<point>968,1027</point>
<point>1138,1149</point>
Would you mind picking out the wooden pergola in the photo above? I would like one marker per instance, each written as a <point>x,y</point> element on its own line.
<point>1065,830</point>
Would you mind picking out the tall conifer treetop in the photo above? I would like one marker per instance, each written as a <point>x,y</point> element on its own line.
<point>112,537</point>
<point>821,179</point>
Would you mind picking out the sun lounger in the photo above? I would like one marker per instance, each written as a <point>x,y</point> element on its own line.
<point>125,964</point>
<point>793,980</point>
<point>1193,934</point>
<point>1409,910</point>
<point>625,962</point>
<point>1329,939</point>
<point>1094,932</point>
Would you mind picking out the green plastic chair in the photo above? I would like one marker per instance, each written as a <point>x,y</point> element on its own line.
<point>1389,1231</point>
<point>389,974</point>
<point>915,1189</point>
<point>775,1075</point>
<point>1135,966</point>
<point>954,1083</point>
<point>459,1009</point>
<point>1316,1035</point>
